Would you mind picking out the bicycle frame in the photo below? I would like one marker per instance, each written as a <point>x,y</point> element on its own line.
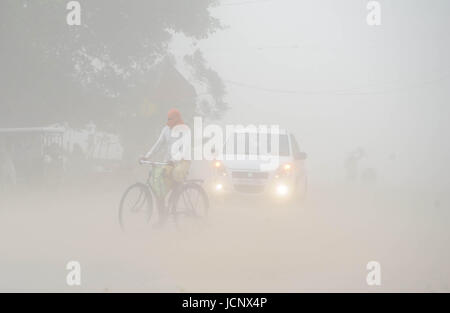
<point>169,203</point>
<point>161,201</point>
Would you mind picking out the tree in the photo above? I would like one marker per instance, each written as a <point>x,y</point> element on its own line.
<point>96,71</point>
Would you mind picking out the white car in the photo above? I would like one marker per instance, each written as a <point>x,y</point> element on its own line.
<point>253,169</point>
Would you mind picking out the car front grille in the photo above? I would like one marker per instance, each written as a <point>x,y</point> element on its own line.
<point>249,188</point>
<point>250,175</point>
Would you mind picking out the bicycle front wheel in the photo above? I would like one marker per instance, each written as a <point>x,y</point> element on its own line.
<point>136,207</point>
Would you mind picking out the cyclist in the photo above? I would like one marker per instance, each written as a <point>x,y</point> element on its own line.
<point>163,178</point>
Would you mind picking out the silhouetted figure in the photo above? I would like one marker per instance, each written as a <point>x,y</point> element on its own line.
<point>351,164</point>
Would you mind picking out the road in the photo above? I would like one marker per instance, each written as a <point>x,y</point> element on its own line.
<point>248,245</point>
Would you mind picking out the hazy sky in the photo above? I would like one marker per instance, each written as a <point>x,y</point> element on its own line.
<point>317,68</point>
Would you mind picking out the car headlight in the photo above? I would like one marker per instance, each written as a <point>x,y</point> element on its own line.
<point>284,170</point>
<point>282,190</point>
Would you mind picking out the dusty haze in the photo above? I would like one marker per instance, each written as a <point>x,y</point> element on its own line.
<point>313,67</point>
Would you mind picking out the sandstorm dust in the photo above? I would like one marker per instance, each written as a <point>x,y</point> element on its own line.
<point>248,244</point>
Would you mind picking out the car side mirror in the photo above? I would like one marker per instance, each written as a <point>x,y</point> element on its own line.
<point>301,156</point>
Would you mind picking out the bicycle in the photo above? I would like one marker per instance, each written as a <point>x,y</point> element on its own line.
<point>179,202</point>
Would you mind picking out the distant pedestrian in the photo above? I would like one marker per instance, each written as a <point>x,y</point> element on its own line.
<point>352,164</point>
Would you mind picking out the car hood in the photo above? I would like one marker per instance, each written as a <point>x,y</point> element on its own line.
<point>263,165</point>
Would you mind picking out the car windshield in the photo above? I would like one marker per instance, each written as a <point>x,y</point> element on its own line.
<point>256,143</point>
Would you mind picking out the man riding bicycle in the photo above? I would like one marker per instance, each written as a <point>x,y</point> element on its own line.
<point>186,199</point>
<point>176,170</point>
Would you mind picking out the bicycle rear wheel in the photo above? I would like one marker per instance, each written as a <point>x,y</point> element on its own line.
<point>136,207</point>
<point>190,206</point>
